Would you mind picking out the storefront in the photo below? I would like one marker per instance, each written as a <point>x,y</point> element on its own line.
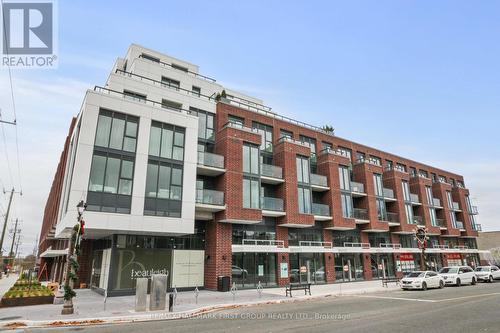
<point>248,269</point>
<point>454,259</point>
<point>382,265</point>
<point>434,261</point>
<point>407,263</point>
<point>349,267</point>
<point>307,268</point>
<point>118,261</point>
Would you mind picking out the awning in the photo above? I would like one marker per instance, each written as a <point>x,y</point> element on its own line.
<point>49,253</point>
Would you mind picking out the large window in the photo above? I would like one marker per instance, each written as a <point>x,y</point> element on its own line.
<point>310,142</point>
<point>205,124</point>
<point>312,234</point>
<point>304,195</point>
<point>267,136</point>
<point>251,180</point>
<point>165,170</point>
<point>342,237</point>
<point>345,179</point>
<point>430,197</point>
<point>406,191</point>
<point>347,205</point>
<point>381,209</point>
<point>112,169</point>
<point>265,230</point>
<point>302,169</point>
<point>250,159</point>
<point>377,182</point>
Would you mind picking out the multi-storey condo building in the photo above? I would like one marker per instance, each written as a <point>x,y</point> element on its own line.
<point>181,174</point>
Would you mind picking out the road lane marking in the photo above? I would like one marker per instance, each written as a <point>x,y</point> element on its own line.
<point>470,296</point>
<point>400,298</point>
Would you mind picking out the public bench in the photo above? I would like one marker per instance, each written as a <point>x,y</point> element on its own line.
<point>298,286</point>
<point>387,280</point>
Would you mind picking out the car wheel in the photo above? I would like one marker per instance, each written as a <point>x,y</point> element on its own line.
<point>473,281</point>
<point>459,283</point>
<point>490,279</point>
<point>424,286</point>
<point>441,284</point>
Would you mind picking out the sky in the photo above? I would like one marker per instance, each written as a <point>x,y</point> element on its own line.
<point>420,79</point>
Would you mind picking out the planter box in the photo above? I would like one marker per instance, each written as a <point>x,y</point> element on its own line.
<point>23,301</point>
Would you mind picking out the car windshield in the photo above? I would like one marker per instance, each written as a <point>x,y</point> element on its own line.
<point>446,270</point>
<point>483,269</point>
<point>416,274</point>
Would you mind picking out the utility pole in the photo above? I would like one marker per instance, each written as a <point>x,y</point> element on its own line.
<point>17,247</point>
<point>5,222</point>
<point>11,253</point>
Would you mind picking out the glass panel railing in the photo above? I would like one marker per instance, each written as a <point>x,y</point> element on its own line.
<point>473,210</point>
<point>388,193</point>
<point>273,171</point>
<point>320,209</point>
<point>275,204</point>
<point>211,160</point>
<point>360,214</point>
<point>392,217</point>
<point>414,198</point>
<point>319,180</point>
<point>418,220</point>
<point>455,206</point>
<point>477,227</point>
<point>460,225</point>
<point>436,202</point>
<point>357,187</point>
<point>441,223</point>
<point>210,197</point>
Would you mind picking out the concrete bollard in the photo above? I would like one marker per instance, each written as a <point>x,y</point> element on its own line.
<point>141,294</point>
<point>158,295</point>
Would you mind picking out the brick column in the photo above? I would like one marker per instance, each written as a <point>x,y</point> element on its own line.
<point>218,252</point>
<point>367,267</point>
<point>329,258</point>
<point>282,257</point>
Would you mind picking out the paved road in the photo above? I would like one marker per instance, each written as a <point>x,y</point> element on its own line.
<point>452,309</point>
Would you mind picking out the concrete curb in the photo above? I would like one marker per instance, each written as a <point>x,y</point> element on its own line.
<point>165,315</point>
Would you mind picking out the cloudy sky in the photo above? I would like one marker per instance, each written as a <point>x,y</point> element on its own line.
<point>417,78</point>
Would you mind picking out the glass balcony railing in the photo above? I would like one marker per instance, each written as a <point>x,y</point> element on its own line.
<point>414,198</point>
<point>319,180</point>
<point>388,193</point>
<point>360,214</point>
<point>455,206</point>
<point>436,202</point>
<point>477,227</point>
<point>418,220</point>
<point>210,197</point>
<point>459,224</point>
<point>473,210</point>
<point>272,171</point>
<point>392,217</point>
<point>441,223</point>
<point>211,160</point>
<point>357,187</point>
<point>275,204</point>
<point>320,209</point>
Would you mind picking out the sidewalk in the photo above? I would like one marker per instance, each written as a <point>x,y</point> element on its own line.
<point>6,283</point>
<point>90,306</point>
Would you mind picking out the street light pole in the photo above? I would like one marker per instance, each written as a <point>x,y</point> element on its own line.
<point>68,281</point>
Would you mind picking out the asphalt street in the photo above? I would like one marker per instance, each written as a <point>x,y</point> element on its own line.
<point>452,309</point>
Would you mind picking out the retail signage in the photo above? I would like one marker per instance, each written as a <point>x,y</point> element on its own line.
<point>406,257</point>
<point>284,270</point>
<point>187,268</point>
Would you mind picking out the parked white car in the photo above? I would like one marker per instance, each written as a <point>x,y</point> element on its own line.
<point>422,280</point>
<point>487,273</point>
<point>458,275</point>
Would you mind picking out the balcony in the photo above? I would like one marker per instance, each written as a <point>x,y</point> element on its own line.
<point>271,174</point>
<point>473,210</point>
<point>319,244</point>
<point>359,245</point>
<point>393,219</point>
<point>459,225</point>
<point>477,227</point>
<point>441,224</point>
<point>259,245</point>
<point>272,207</point>
<point>436,203</point>
<point>210,164</point>
<point>414,199</point>
<point>209,200</point>
<point>361,216</point>
<point>390,245</point>
<point>388,194</point>
<point>358,189</point>
<point>319,183</point>
<point>321,212</point>
<point>264,242</point>
<point>455,206</point>
<point>418,220</point>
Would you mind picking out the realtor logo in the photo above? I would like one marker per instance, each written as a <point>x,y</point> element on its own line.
<point>28,36</point>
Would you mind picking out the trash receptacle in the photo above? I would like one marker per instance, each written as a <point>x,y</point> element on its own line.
<point>223,283</point>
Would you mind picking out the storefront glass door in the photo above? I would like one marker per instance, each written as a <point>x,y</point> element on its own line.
<point>248,269</point>
<point>307,268</point>
<point>353,263</point>
<point>382,266</point>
